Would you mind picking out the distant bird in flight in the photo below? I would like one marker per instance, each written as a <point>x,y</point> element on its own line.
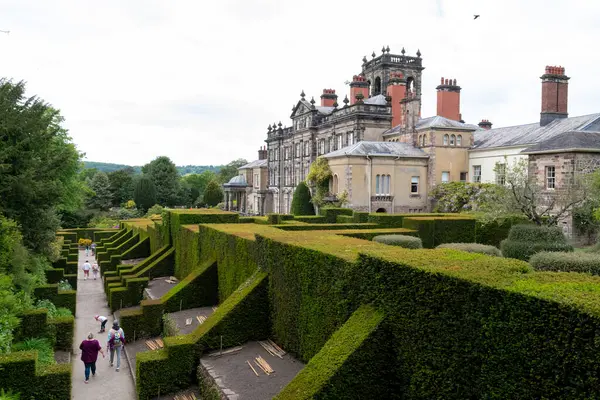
<point>476,16</point>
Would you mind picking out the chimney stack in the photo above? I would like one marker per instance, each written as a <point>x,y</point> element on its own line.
<point>397,91</point>
<point>448,99</point>
<point>262,153</point>
<point>358,85</point>
<point>328,98</point>
<point>485,124</point>
<point>555,86</point>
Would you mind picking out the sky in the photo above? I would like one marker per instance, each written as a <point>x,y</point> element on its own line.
<point>200,81</point>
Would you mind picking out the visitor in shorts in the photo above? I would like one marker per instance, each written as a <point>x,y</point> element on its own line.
<point>89,354</point>
<point>95,270</point>
<point>102,319</point>
<point>86,270</point>
<point>116,341</point>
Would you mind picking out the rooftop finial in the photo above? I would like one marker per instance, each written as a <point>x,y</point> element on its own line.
<point>346,101</point>
<point>279,124</point>
<point>302,94</point>
<point>373,55</point>
<point>403,51</point>
<point>383,49</point>
<point>364,59</point>
<point>269,128</point>
<point>387,49</point>
<point>418,53</point>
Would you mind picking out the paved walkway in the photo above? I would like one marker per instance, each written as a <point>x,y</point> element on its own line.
<point>107,384</point>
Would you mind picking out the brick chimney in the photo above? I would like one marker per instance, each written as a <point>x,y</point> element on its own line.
<point>358,85</point>
<point>555,86</point>
<point>397,91</point>
<point>485,124</point>
<point>328,98</point>
<point>262,153</point>
<point>448,99</point>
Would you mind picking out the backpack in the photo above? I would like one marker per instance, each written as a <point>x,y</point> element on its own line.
<point>117,338</point>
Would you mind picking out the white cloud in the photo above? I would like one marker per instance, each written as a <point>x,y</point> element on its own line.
<point>200,81</point>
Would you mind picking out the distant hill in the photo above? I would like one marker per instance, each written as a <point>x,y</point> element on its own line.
<point>183,170</point>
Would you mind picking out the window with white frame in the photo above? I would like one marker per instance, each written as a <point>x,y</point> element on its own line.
<point>477,173</point>
<point>445,140</point>
<point>306,148</point>
<point>452,140</point>
<point>382,185</point>
<point>256,181</point>
<point>500,174</point>
<point>414,184</point>
<point>298,154</point>
<point>322,146</point>
<point>459,140</point>
<point>340,139</point>
<point>550,177</point>
<point>445,176</point>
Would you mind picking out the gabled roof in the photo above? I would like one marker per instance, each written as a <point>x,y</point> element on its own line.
<point>568,141</point>
<point>435,122</point>
<point>304,106</point>
<point>530,134</point>
<point>254,164</point>
<point>379,149</point>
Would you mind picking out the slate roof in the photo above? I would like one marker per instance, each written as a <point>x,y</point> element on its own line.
<point>378,100</point>
<point>254,164</point>
<point>436,122</point>
<point>237,180</point>
<point>568,141</point>
<point>530,134</point>
<point>379,149</point>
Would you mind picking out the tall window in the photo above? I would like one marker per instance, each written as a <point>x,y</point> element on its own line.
<point>452,140</point>
<point>445,176</point>
<point>445,141</point>
<point>335,184</point>
<point>322,146</point>
<point>550,177</point>
<point>500,174</point>
<point>414,184</point>
<point>340,141</point>
<point>306,148</point>
<point>420,142</point>
<point>423,140</point>
<point>256,181</point>
<point>477,173</point>
<point>459,140</point>
<point>463,176</point>
<point>298,154</point>
<point>377,184</point>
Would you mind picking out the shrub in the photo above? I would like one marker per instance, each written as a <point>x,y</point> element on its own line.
<point>43,347</point>
<point>525,240</point>
<point>156,209</point>
<point>472,248</point>
<point>144,193</point>
<point>213,194</point>
<point>169,326</point>
<point>567,262</point>
<point>9,395</point>
<point>408,242</point>
<point>64,285</point>
<point>301,202</point>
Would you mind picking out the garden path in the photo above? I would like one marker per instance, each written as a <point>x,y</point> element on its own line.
<point>108,384</point>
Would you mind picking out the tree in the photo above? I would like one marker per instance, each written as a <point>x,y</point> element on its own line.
<point>121,185</point>
<point>213,194</point>
<point>196,183</point>
<point>301,202</point>
<point>165,177</point>
<point>455,197</point>
<point>102,198</point>
<point>38,165</point>
<point>144,193</point>
<point>319,176</point>
<point>230,170</point>
<point>540,205</point>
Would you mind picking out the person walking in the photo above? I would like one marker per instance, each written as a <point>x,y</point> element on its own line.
<point>89,354</point>
<point>86,270</point>
<point>116,341</point>
<point>102,319</point>
<point>95,270</point>
<point>93,246</point>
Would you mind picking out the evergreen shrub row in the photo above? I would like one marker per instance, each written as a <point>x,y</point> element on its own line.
<point>472,248</point>
<point>566,262</point>
<point>525,240</point>
<point>408,242</point>
<point>434,231</point>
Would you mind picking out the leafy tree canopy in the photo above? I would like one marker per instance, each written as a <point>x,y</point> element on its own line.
<point>121,185</point>
<point>101,197</point>
<point>163,173</point>
<point>213,194</point>
<point>230,170</point>
<point>144,193</point>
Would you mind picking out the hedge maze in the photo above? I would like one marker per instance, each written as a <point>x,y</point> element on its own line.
<point>370,320</point>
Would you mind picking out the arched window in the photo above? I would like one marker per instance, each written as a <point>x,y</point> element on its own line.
<point>420,142</point>
<point>410,84</point>
<point>452,140</point>
<point>335,184</point>
<point>377,184</point>
<point>377,86</point>
<point>424,140</point>
<point>445,142</point>
<point>387,187</point>
<point>459,140</point>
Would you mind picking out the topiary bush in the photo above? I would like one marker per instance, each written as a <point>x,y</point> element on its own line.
<point>408,242</point>
<point>472,248</point>
<point>566,262</point>
<point>525,240</point>
<point>301,202</point>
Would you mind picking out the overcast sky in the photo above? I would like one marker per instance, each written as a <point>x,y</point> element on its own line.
<point>200,81</point>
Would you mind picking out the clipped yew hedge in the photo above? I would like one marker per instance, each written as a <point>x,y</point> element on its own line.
<point>566,262</point>
<point>141,249</point>
<point>331,214</point>
<point>434,231</point>
<point>525,240</point>
<point>408,242</point>
<point>472,248</point>
<point>65,298</point>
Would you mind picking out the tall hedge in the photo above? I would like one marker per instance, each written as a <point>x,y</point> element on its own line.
<point>301,202</point>
<point>525,240</point>
<point>144,193</point>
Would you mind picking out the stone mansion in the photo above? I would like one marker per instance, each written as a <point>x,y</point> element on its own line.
<point>387,157</point>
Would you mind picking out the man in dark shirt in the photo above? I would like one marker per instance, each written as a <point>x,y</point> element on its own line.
<point>89,354</point>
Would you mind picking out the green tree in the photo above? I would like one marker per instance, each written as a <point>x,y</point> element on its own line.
<point>213,194</point>
<point>165,177</point>
<point>230,170</point>
<point>196,183</point>
<point>101,197</point>
<point>121,185</point>
<point>301,202</point>
<point>144,193</point>
<point>38,165</point>
<point>319,176</point>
